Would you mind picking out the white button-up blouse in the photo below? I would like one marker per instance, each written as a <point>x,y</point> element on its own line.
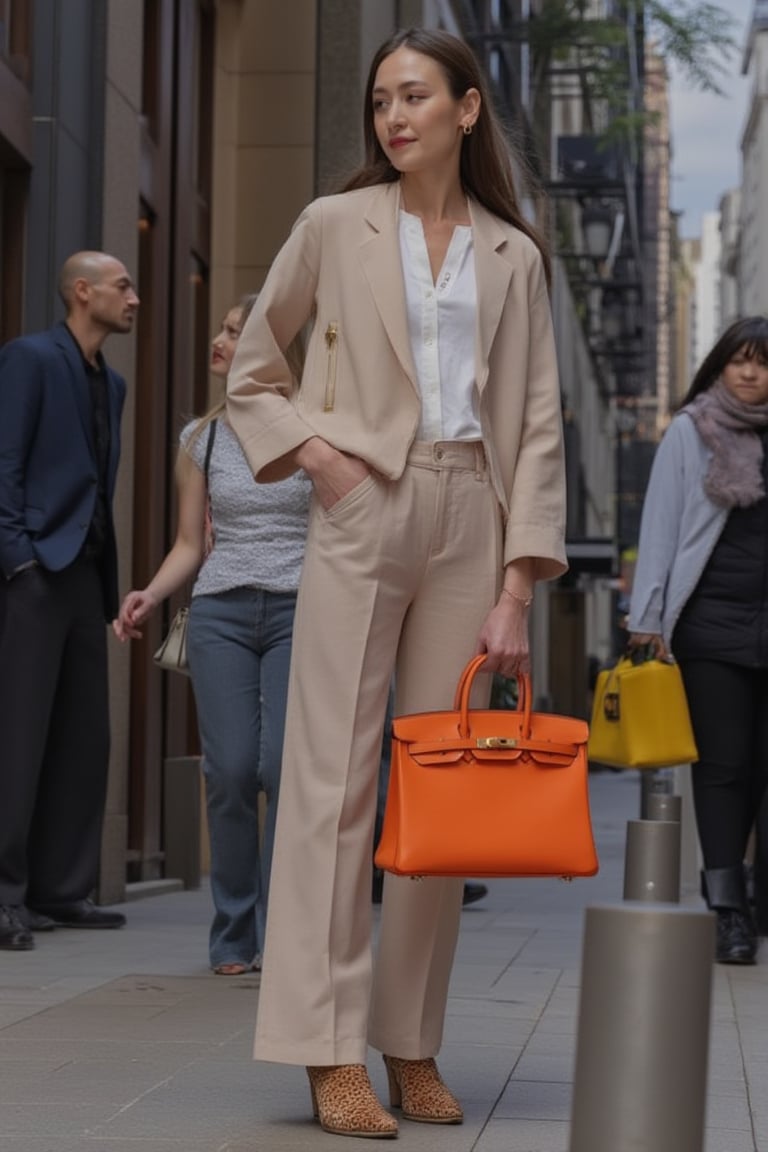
<point>441,324</point>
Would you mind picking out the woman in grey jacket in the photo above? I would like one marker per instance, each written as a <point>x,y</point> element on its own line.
<point>701,592</point>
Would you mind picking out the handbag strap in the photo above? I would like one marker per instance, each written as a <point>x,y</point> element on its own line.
<point>464,688</point>
<point>209,449</point>
<point>208,531</point>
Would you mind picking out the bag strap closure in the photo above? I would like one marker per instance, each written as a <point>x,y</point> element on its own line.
<point>490,743</point>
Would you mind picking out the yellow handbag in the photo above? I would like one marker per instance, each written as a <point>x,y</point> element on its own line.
<point>640,716</point>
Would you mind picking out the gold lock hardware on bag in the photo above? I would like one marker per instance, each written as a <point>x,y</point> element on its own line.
<point>611,706</point>
<point>496,742</point>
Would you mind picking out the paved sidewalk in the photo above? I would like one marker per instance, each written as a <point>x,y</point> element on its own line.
<point>125,1042</point>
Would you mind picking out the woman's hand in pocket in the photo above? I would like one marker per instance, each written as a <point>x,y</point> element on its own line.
<point>333,473</point>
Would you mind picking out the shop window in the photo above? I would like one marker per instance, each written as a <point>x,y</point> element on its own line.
<point>15,25</point>
<point>13,200</point>
<point>151,78</point>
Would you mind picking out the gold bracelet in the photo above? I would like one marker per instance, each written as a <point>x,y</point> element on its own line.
<point>526,601</point>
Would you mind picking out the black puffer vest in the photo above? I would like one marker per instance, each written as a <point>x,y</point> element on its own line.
<point>726,617</point>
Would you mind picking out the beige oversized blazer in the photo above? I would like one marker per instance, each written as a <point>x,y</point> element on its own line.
<point>340,270</point>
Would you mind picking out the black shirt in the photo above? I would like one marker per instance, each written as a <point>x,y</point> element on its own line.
<point>96,375</point>
<point>726,617</point>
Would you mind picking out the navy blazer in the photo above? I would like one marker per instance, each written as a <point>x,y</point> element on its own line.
<point>48,465</point>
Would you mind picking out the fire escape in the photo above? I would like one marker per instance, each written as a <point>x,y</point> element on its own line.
<point>575,107</point>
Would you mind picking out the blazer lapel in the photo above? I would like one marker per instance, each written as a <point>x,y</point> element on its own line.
<point>380,258</point>
<point>492,274</point>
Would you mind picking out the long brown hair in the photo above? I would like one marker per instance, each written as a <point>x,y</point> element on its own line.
<point>485,166</point>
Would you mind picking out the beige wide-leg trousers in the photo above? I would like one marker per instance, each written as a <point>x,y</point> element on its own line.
<point>398,575</point>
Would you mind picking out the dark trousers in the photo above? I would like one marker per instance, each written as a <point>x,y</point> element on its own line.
<point>729,713</point>
<point>54,734</point>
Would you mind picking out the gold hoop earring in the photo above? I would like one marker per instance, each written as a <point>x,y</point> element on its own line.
<point>467,129</point>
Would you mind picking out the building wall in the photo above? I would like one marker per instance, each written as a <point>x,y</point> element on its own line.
<point>118,216</point>
<point>684,307</point>
<point>16,154</point>
<point>656,166</point>
<point>65,193</point>
<point>753,263</point>
<point>730,233</point>
<point>263,138</point>
<point>707,288</point>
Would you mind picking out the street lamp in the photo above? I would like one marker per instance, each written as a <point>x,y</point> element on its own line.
<point>597,228</point>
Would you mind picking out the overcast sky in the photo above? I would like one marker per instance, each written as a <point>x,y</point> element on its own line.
<point>706,133</point>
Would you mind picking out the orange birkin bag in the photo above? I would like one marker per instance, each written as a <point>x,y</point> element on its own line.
<point>481,792</point>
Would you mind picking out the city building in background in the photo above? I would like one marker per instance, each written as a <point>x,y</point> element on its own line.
<point>753,254</point>
<point>728,262</point>
<point>685,254</point>
<point>654,403</point>
<point>706,275</point>
<point>730,230</point>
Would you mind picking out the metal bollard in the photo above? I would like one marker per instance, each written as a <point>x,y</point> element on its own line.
<point>653,782</point>
<point>652,861</point>
<point>643,1031</point>
<point>664,806</point>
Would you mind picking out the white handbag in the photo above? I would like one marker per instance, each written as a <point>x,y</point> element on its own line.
<point>172,653</point>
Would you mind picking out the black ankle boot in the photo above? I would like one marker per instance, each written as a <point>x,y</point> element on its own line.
<point>736,938</point>
<point>725,892</point>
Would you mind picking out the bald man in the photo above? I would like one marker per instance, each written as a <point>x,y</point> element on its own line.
<point>60,407</point>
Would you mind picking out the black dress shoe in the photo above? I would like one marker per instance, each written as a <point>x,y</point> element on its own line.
<point>14,935</point>
<point>35,921</point>
<point>82,914</point>
<point>473,893</point>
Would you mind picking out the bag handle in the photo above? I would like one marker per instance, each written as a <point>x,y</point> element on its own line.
<point>470,669</point>
<point>633,659</point>
<point>464,689</point>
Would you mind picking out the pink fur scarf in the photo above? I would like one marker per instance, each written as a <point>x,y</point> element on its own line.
<point>729,427</point>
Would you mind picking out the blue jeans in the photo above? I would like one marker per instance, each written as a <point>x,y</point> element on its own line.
<point>239,648</point>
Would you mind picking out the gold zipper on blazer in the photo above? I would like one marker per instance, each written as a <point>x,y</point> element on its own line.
<point>332,345</point>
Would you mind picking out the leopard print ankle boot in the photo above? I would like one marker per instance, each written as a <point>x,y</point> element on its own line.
<point>344,1102</point>
<point>417,1088</point>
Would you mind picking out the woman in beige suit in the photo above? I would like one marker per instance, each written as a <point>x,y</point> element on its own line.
<point>428,418</point>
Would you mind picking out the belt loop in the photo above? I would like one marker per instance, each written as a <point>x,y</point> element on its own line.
<point>479,460</point>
